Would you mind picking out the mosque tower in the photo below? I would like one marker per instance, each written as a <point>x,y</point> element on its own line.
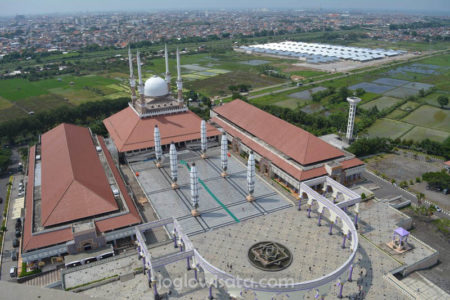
<point>154,95</point>
<point>166,58</point>
<point>179,80</point>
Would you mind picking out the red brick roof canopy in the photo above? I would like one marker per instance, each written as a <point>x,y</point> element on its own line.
<point>31,242</point>
<point>129,132</point>
<point>74,183</point>
<point>298,144</point>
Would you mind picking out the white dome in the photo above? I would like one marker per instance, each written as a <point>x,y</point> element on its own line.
<point>155,86</point>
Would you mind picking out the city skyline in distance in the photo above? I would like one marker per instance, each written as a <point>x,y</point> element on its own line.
<point>11,8</point>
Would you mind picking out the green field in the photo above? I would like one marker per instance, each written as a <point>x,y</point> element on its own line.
<point>430,117</point>
<point>420,133</point>
<point>388,128</point>
<point>381,103</point>
<point>432,99</point>
<point>220,83</point>
<point>291,103</point>
<point>397,114</point>
<point>409,106</point>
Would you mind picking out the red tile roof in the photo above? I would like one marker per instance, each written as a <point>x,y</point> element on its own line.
<point>298,144</point>
<point>279,161</point>
<point>42,240</point>
<point>46,239</point>
<point>447,163</point>
<point>129,132</point>
<point>273,157</point>
<point>354,162</point>
<point>74,183</point>
<point>131,218</point>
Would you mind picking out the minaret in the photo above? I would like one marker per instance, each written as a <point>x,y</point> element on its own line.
<point>194,190</point>
<point>158,150</point>
<point>203,139</point>
<point>132,80</point>
<point>141,85</point>
<point>166,57</point>
<point>223,154</point>
<point>179,80</point>
<point>353,101</point>
<point>251,176</point>
<point>173,165</point>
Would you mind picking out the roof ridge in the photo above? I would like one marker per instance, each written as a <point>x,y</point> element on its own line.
<point>57,203</point>
<point>93,191</point>
<point>68,151</point>
<point>132,130</point>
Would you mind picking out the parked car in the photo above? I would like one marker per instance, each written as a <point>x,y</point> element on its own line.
<point>16,243</point>
<point>18,233</point>
<point>14,255</point>
<point>1,200</point>
<point>13,272</point>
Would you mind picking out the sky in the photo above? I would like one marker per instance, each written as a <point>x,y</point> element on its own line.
<point>13,7</point>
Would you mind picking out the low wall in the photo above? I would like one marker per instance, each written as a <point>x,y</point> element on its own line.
<point>424,263</point>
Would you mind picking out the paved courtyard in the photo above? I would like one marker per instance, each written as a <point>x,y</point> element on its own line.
<point>222,200</point>
<point>322,253</point>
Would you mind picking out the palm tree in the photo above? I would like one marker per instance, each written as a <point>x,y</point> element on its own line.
<point>420,197</point>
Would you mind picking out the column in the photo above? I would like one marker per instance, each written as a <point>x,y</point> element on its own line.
<point>210,297</point>
<point>188,264</point>
<point>356,220</point>
<point>341,288</point>
<point>350,273</point>
<point>343,241</point>
<point>309,210</point>
<point>155,290</point>
<point>320,218</point>
<point>175,238</point>
<point>331,228</point>
<point>300,202</point>
<point>149,276</point>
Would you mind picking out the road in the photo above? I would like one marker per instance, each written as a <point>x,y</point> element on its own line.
<point>6,261</point>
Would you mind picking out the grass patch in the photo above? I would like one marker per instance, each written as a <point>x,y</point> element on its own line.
<point>409,106</point>
<point>443,225</point>
<point>24,271</point>
<point>397,114</point>
<point>42,102</point>
<point>214,85</point>
<point>420,133</point>
<point>430,117</point>
<point>291,103</point>
<point>4,104</point>
<point>389,128</point>
<point>381,103</point>
<point>92,282</point>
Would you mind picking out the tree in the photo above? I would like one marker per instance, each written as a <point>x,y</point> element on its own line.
<point>437,180</point>
<point>442,100</point>
<point>420,197</point>
<point>359,92</point>
<point>233,88</point>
